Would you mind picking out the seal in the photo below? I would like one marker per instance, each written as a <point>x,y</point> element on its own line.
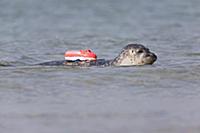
<point>131,55</point>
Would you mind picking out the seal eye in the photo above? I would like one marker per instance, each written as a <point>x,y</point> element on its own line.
<point>140,51</point>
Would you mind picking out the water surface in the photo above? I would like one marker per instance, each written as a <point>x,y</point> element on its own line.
<point>163,97</point>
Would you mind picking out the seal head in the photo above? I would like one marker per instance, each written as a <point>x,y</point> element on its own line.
<point>134,54</point>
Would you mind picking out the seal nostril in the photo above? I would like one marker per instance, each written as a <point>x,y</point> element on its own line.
<point>147,55</point>
<point>152,55</point>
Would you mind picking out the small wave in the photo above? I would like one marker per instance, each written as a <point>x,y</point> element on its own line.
<point>5,63</point>
<point>193,54</point>
<point>12,63</point>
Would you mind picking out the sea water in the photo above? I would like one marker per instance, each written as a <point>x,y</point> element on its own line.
<point>159,98</point>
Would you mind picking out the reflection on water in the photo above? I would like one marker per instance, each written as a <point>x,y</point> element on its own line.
<point>162,97</point>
